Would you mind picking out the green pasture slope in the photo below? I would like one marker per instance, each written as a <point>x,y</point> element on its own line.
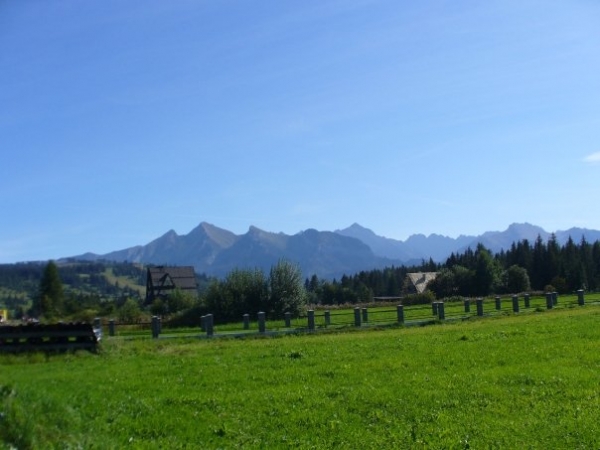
<point>512,381</point>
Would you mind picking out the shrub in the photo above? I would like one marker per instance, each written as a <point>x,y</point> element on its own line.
<point>454,299</point>
<point>419,299</point>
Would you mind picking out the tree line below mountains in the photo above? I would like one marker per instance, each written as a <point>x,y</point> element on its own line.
<point>524,267</point>
<point>116,289</point>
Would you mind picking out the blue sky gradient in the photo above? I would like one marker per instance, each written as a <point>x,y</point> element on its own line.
<point>122,120</point>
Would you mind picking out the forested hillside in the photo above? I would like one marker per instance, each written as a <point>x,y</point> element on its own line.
<point>102,287</point>
<point>86,285</point>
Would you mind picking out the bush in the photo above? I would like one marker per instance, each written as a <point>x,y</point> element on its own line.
<point>419,299</point>
<point>189,317</point>
<point>454,299</point>
<point>85,315</point>
<point>130,311</point>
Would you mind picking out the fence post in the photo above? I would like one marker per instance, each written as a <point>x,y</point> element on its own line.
<point>365,315</point>
<point>467,305</point>
<point>479,303</point>
<point>111,327</point>
<point>434,308</point>
<point>246,318</point>
<point>327,318</point>
<point>580,297</point>
<point>311,320</point>
<point>498,303</point>
<point>441,311</point>
<point>261,322</point>
<point>400,310</point>
<point>357,317</point>
<point>155,331</point>
<point>288,319</point>
<point>209,324</point>
<point>515,302</point>
<point>203,323</point>
<point>549,301</point>
<point>554,298</point>
<point>526,300</point>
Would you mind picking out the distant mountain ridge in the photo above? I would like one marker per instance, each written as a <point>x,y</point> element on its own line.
<point>216,251</point>
<point>416,248</point>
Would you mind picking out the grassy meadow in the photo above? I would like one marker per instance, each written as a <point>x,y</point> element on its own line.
<point>507,381</point>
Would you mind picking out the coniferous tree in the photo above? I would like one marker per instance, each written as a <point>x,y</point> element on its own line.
<point>571,265</point>
<point>463,281</point>
<point>50,301</point>
<point>552,259</point>
<point>537,275</point>
<point>520,255</point>
<point>587,261</point>
<point>595,277</point>
<point>487,273</point>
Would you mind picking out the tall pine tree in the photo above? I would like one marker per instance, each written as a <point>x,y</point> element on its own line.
<point>50,300</point>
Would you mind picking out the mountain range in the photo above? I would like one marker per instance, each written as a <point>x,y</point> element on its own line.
<point>328,254</point>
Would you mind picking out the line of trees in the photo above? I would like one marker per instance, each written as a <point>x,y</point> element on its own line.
<point>250,291</point>
<point>476,272</point>
<point>567,268</point>
<point>538,267</point>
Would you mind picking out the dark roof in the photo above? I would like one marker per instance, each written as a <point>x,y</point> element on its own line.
<point>182,277</point>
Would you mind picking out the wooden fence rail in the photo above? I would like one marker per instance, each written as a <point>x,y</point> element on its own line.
<point>361,316</point>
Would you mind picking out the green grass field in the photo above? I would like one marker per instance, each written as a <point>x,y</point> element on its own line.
<point>507,381</point>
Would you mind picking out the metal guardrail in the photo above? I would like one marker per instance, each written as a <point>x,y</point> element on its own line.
<point>49,337</point>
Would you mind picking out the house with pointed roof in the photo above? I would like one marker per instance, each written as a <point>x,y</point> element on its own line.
<point>162,280</point>
<point>416,282</point>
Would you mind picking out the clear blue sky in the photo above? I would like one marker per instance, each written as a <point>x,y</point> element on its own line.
<point>120,120</point>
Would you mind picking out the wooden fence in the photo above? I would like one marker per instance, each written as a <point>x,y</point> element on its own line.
<point>358,317</point>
